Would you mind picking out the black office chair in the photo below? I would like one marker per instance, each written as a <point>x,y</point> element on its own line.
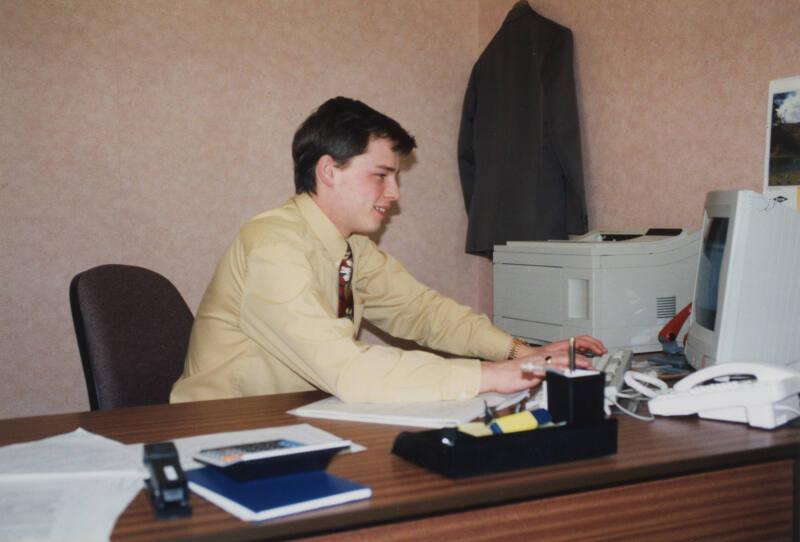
<point>133,328</point>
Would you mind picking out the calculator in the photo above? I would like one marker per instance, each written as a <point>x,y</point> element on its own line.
<point>277,453</point>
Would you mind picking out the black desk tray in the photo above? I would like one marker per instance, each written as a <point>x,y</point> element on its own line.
<point>471,456</point>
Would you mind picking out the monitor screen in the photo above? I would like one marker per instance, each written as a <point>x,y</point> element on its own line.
<point>710,265</point>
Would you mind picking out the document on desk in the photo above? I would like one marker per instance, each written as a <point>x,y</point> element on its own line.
<point>76,454</point>
<point>84,509</point>
<point>434,415</point>
<point>49,487</point>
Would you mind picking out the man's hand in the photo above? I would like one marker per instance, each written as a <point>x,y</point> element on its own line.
<point>583,344</point>
<point>508,376</point>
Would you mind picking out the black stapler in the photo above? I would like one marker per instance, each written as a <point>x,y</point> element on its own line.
<point>169,490</point>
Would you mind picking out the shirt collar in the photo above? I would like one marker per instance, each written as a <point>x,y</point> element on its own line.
<point>321,225</point>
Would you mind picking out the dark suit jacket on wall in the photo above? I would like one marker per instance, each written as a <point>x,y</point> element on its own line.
<point>519,148</point>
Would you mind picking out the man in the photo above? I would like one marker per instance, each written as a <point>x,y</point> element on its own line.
<point>284,307</point>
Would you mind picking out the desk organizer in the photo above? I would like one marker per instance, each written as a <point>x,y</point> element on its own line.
<point>459,455</point>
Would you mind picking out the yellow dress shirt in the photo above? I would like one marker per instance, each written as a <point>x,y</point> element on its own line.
<point>268,321</point>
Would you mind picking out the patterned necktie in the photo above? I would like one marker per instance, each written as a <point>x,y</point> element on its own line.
<point>345,288</point>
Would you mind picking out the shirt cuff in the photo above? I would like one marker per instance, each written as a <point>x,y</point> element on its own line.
<point>464,380</point>
<point>493,344</point>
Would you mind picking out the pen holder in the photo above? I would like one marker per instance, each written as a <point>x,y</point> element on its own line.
<point>576,397</point>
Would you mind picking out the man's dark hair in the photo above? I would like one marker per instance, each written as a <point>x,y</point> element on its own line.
<point>342,128</point>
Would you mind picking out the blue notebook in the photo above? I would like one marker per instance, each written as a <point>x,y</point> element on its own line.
<point>268,498</point>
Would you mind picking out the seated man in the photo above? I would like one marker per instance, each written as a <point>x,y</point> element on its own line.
<point>284,307</point>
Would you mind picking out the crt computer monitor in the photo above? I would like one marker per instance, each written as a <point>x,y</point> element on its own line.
<point>747,293</point>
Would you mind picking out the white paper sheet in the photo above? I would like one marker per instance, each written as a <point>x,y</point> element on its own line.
<point>72,486</point>
<point>433,415</point>
<point>76,454</point>
<point>79,509</point>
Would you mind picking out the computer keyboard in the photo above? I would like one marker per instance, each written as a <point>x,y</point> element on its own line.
<point>614,365</point>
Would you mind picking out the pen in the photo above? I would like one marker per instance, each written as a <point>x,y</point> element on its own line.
<point>488,413</point>
<point>572,354</point>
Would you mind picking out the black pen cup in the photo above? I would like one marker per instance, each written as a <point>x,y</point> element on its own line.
<point>576,397</point>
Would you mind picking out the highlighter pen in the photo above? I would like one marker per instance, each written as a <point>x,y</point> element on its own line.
<point>513,423</point>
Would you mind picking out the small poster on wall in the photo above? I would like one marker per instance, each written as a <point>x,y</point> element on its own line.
<point>782,163</point>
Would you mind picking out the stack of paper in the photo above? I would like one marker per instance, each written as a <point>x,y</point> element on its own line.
<point>47,487</point>
<point>434,414</point>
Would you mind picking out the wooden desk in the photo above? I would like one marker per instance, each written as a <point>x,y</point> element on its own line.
<point>673,479</point>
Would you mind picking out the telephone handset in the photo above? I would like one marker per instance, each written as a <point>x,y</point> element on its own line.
<point>767,399</point>
<point>758,371</point>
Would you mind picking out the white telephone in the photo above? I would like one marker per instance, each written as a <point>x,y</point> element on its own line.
<point>767,401</point>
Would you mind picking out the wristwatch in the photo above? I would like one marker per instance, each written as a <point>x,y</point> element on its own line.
<point>515,344</point>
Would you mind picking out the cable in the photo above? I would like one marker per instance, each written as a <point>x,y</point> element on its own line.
<point>625,395</point>
<point>649,386</point>
<point>645,387</point>
<point>611,399</point>
<point>631,413</point>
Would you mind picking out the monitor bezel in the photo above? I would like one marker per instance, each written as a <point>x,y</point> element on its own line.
<point>703,344</point>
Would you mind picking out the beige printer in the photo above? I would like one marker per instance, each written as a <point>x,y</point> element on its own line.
<point>621,287</point>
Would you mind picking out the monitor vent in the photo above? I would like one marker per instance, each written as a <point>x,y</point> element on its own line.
<point>665,307</point>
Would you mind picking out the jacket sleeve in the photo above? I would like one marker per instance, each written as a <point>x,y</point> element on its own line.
<point>398,304</point>
<point>466,149</point>
<point>284,312</point>
<point>562,121</point>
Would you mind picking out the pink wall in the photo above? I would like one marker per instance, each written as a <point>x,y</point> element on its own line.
<point>146,132</point>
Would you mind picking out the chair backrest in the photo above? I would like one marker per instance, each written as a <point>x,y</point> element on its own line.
<point>133,329</point>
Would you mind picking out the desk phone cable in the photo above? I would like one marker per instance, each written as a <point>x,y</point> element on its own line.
<point>643,388</point>
<point>616,366</point>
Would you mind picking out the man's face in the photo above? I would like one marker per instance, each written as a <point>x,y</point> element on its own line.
<point>365,188</point>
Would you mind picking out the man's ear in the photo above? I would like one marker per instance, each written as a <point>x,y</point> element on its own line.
<point>326,170</point>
